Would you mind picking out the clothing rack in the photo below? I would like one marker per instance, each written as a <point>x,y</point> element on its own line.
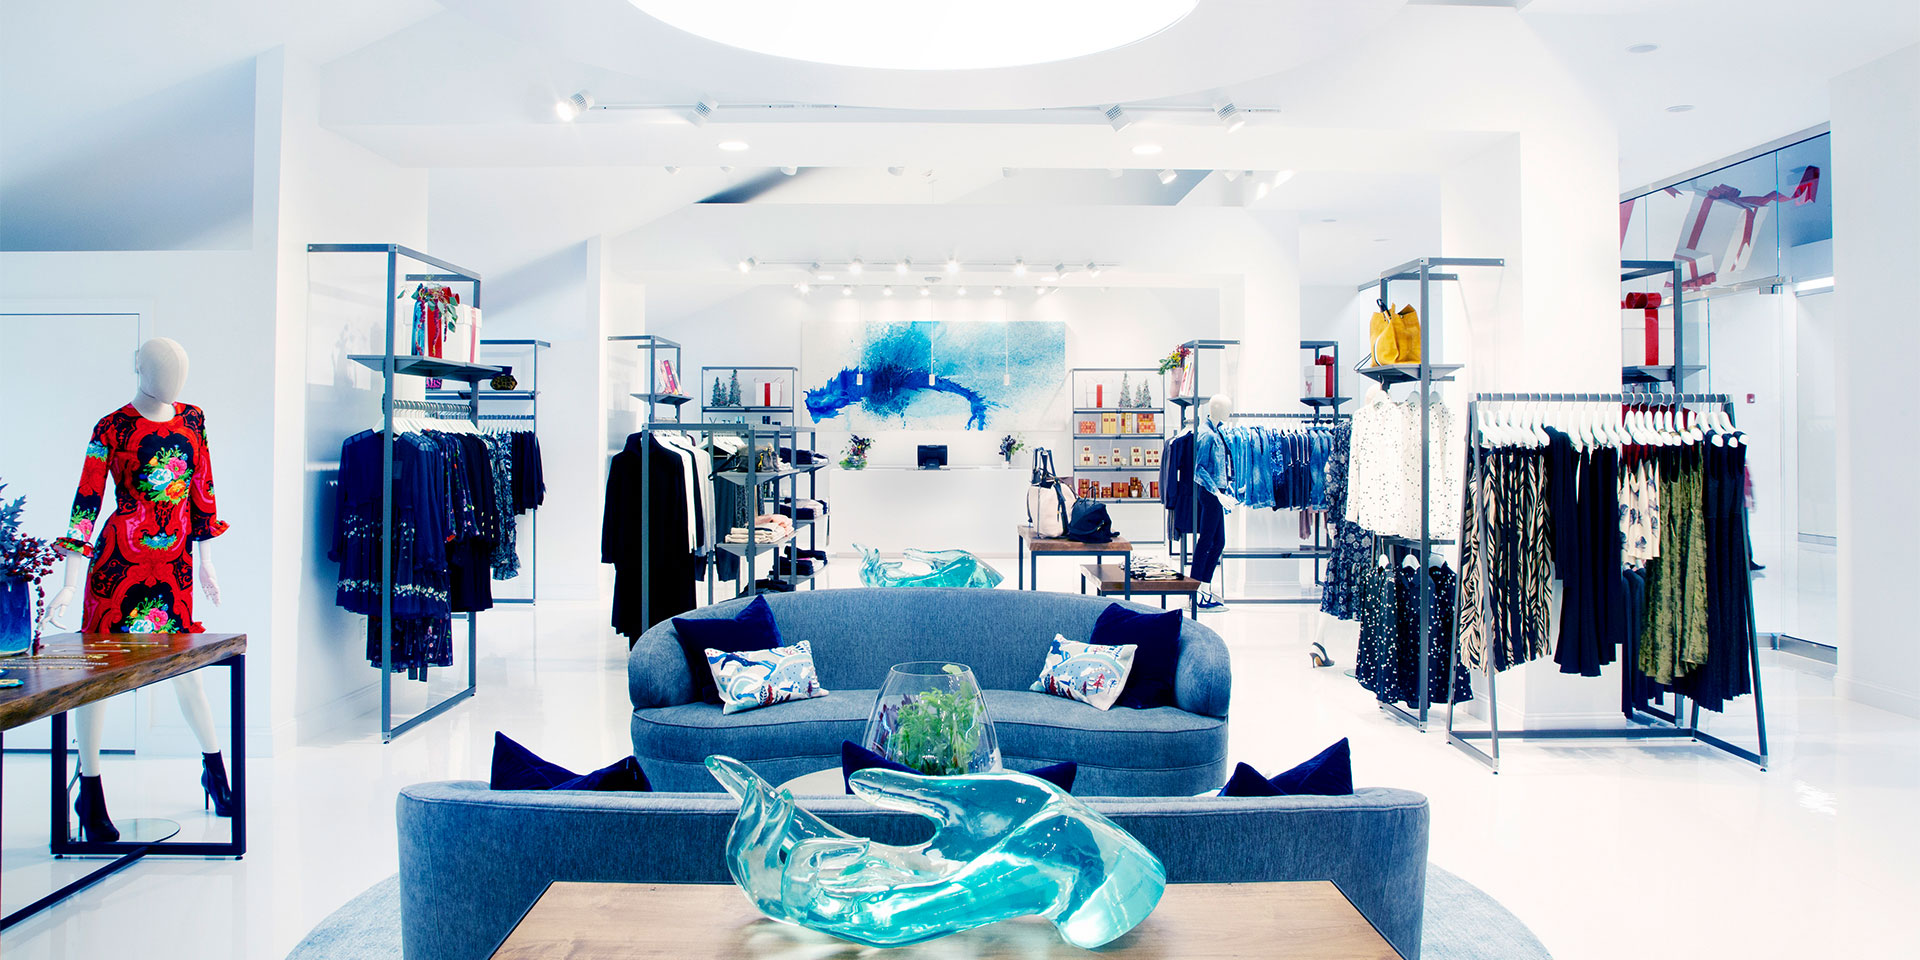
<point>752,479</point>
<point>391,366</point>
<point>1426,373</point>
<point>1672,728</point>
<point>1318,551</point>
<point>531,398</point>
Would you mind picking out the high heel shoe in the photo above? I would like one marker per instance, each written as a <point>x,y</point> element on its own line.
<point>1319,656</point>
<point>91,808</point>
<point>214,781</point>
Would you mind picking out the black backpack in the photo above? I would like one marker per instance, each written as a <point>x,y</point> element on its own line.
<point>1089,522</point>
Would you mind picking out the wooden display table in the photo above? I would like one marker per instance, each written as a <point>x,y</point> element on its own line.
<point>1032,546</point>
<point>1111,578</point>
<point>1309,920</point>
<point>72,670</point>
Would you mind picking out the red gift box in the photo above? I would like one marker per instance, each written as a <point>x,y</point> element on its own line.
<point>1327,364</point>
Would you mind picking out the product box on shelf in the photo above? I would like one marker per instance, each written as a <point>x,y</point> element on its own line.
<point>1087,426</point>
<point>1110,423</point>
<point>1086,455</point>
<point>1153,489</point>
<point>1153,456</point>
<point>1145,423</point>
<point>1139,457</point>
<point>1642,333</point>
<point>1100,460</point>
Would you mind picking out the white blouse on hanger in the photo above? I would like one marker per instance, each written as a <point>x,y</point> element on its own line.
<point>1383,472</point>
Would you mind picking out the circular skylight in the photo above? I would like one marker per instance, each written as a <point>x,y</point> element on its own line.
<point>922,34</point>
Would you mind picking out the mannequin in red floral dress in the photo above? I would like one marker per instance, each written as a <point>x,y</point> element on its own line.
<point>141,576</point>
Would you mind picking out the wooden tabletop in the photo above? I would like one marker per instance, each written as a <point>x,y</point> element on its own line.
<point>72,669</point>
<point>1039,544</point>
<point>1112,578</point>
<point>1195,921</point>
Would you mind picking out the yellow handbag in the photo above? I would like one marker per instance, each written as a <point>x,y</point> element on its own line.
<point>1395,336</point>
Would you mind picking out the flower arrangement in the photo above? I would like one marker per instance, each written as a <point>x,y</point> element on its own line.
<point>856,456</point>
<point>936,732</point>
<point>1175,359</point>
<point>24,559</point>
<point>1010,445</point>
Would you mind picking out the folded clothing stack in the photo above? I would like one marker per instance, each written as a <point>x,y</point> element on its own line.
<point>804,509</point>
<point>801,567</point>
<point>1149,568</point>
<point>780,524</point>
<point>756,535</point>
<point>798,456</point>
<point>819,557</point>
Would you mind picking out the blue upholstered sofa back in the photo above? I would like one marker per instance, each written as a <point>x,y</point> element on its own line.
<point>472,860</point>
<point>858,634</point>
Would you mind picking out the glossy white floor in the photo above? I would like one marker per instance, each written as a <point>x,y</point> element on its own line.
<point>1606,851</point>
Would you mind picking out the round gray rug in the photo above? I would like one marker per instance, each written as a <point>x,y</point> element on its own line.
<point>1462,923</point>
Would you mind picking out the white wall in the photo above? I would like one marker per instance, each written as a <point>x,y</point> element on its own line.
<point>1876,242</point>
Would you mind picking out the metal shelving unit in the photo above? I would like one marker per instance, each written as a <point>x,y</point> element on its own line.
<point>653,347</point>
<point>532,416</point>
<point>790,410</point>
<point>1425,271</point>
<point>392,366</point>
<point>1104,376</point>
<point>1674,374</point>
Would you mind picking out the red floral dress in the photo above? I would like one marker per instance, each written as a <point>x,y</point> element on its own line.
<point>141,578</point>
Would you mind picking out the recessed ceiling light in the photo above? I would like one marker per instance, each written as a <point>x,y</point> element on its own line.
<point>747,265</point>
<point>846,291</point>
<point>1643,47</point>
<point>960,292</point>
<point>1093,269</point>
<point>1019,267</point>
<point>574,106</point>
<point>733,146</point>
<point>886,291</point>
<point>1145,149</point>
<point>802,288</point>
<point>999,291</point>
<point>790,171</point>
<point>1168,176</point>
<point>1680,108</point>
<point>953,265</point>
<point>902,266</point>
<point>854,266</point>
<point>926,291</point>
<point>890,35</point>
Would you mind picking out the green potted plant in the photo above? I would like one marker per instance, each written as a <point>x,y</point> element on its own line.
<point>930,716</point>
<point>855,457</point>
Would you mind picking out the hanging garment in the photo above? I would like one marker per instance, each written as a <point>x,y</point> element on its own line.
<point>529,473</point>
<point>506,550</point>
<point>140,578</point>
<point>1583,492</point>
<point>1191,507</point>
<point>1508,605</point>
<point>665,567</point>
<point>1348,548</point>
<point>1406,641</point>
<point>1375,664</point>
<point>1674,638</point>
<point>1727,672</point>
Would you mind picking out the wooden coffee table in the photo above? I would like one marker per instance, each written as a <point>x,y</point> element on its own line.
<point>1310,920</point>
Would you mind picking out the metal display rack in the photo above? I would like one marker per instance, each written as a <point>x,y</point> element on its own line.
<point>532,415</point>
<point>391,366</point>
<point>1315,552</point>
<point>1329,404</point>
<point>763,485</point>
<point>790,410</point>
<point>653,347</point>
<point>1674,374</point>
<point>1426,271</point>
<point>1157,436</point>
<point>1670,727</point>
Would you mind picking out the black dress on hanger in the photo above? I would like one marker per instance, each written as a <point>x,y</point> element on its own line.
<point>667,566</point>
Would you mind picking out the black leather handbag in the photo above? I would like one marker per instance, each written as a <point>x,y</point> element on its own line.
<point>1090,522</point>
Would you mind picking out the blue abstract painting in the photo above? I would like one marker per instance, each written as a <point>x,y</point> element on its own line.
<point>935,375</point>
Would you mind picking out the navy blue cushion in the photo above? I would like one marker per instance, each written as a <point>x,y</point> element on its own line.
<point>749,630</point>
<point>854,758</point>
<point>517,768</point>
<point>1328,774</point>
<point>1156,655</point>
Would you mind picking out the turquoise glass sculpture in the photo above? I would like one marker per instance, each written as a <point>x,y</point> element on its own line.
<point>944,568</point>
<point>1005,845</point>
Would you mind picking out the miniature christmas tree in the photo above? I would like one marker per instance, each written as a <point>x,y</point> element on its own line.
<point>1144,399</point>
<point>1126,391</point>
<point>733,390</point>
<point>719,398</point>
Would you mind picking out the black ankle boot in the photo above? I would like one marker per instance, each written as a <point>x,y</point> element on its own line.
<point>214,781</point>
<point>91,807</point>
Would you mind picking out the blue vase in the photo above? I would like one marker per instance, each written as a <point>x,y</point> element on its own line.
<point>16,616</point>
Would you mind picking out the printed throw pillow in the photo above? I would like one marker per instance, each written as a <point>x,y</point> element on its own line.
<point>752,679</point>
<point>1085,672</point>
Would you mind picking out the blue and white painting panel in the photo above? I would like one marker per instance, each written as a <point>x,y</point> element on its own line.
<point>934,375</point>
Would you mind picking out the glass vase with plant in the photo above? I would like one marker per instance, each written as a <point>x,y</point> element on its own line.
<point>1010,445</point>
<point>23,561</point>
<point>855,457</point>
<point>930,716</point>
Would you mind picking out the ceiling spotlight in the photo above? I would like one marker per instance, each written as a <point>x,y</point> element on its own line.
<point>819,272</point>
<point>854,266</point>
<point>672,169</point>
<point>574,106</point>
<point>926,291</point>
<point>1059,270</point>
<point>803,288</point>
<point>1230,175</point>
<point>1282,176</point>
<point>1643,47</point>
<point>1680,108</point>
<point>747,265</point>
<point>1019,267</point>
<point>1145,149</point>
<point>1117,118</point>
<point>886,291</point>
<point>1093,269</point>
<point>1039,291</point>
<point>846,291</point>
<point>790,171</point>
<point>1261,189</point>
<point>960,291</point>
<point>953,265</point>
<point>999,291</point>
<point>1168,176</point>
<point>1230,116</point>
<point>897,171</point>
<point>701,112</point>
<point>732,146</point>
<point>903,265</point>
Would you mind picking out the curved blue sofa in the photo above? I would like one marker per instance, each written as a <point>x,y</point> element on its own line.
<point>858,634</point>
<point>472,860</point>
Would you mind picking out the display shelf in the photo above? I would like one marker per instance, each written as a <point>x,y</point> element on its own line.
<point>1143,468</point>
<point>743,478</point>
<point>795,579</point>
<point>1324,401</point>
<point>1303,552</point>
<point>1393,373</point>
<point>1190,401</point>
<point>1153,500</point>
<point>746,409</point>
<point>1655,374</point>
<point>670,399</point>
<point>744,549</point>
<point>484,394</point>
<point>1152,410</point>
<point>1413,541</point>
<point>435,367</point>
<point>1119,436</point>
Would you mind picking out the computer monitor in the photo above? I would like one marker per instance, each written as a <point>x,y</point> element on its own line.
<point>933,456</point>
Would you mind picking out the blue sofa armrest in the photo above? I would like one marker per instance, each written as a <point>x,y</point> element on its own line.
<point>657,669</point>
<point>1203,682</point>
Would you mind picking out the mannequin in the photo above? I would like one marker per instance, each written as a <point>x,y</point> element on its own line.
<point>154,448</point>
<point>1220,408</point>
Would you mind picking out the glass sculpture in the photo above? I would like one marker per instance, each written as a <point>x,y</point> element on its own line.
<point>1006,845</point>
<point>927,568</point>
<point>930,716</point>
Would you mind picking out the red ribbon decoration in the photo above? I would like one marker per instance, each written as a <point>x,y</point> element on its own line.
<point>1809,189</point>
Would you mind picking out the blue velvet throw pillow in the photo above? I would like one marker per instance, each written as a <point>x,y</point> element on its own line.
<point>1328,774</point>
<point>855,758</point>
<point>1156,656</point>
<point>517,768</point>
<point>749,630</point>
